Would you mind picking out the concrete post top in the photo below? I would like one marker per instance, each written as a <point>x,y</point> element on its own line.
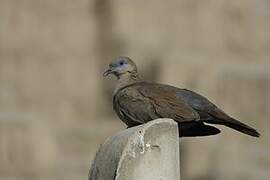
<point>149,151</point>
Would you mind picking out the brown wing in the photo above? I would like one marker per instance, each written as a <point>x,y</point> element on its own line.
<point>143,102</point>
<point>166,103</point>
<point>133,108</point>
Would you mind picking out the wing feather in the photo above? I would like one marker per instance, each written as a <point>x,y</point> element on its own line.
<point>143,102</point>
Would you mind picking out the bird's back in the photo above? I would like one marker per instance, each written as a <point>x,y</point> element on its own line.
<point>141,102</point>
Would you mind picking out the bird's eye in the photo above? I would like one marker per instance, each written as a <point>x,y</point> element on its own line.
<point>121,63</point>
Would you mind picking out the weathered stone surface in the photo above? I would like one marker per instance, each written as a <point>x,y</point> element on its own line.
<point>149,151</point>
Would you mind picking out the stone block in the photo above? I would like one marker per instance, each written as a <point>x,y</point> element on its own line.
<point>149,151</point>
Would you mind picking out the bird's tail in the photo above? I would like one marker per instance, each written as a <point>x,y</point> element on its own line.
<point>192,129</point>
<point>237,125</point>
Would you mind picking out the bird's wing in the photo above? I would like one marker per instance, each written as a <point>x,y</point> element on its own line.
<point>133,108</point>
<point>210,113</point>
<point>143,102</point>
<point>205,108</point>
<point>166,103</point>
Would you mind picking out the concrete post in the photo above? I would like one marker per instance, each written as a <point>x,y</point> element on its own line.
<point>146,152</point>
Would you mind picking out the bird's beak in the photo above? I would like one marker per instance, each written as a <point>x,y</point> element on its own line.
<point>107,72</point>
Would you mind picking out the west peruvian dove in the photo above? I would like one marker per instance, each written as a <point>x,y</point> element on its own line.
<point>136,102</point>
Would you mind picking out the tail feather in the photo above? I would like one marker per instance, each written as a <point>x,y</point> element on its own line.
<point>192,129</point>
<point>237,125</point>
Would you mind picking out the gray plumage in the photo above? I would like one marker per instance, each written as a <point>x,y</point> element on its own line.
<point>136,102</point>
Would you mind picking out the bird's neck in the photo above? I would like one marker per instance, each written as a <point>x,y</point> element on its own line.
<point>127,79</point>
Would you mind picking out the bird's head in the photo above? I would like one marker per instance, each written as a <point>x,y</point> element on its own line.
<point>121,66</point>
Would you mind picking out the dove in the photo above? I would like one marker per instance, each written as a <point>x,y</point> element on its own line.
<point>136,102</point>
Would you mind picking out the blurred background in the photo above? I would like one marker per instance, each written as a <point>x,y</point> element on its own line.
<point>56,108</point>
